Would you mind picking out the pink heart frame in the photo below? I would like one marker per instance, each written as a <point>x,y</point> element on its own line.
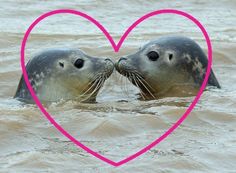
<point>116,48</point>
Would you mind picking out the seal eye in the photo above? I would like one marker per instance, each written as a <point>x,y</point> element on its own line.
<point>79,63</point>
<point>153,56</point>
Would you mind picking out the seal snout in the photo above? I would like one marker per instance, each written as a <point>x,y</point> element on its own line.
<point>109,67</point>
<point>121,64</point>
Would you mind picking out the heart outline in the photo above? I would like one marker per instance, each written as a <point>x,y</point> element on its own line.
<point>116,48</point>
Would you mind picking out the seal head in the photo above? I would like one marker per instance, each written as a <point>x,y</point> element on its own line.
<point>65,74</point>
<point>168,66</point>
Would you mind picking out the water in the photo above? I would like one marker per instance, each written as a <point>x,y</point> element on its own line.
<point>118,125</point>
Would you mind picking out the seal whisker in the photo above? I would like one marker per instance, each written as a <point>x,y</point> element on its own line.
<point>145,87</point>
<point>86,89</point>
<point>94,83</point>
<point>100,83</point>
<point>133,77</point>
<point>126,87</point>
<point>144,84</point>
<point>98,86</point>
<point>139,86</point>
<point>142,79</point>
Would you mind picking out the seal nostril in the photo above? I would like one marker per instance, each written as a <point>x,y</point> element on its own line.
<point>109,62</point>
<point>122,59</point>
<point>107,59</point>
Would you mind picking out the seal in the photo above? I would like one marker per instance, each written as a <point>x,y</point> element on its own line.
<point>64,74</point>
<point>169,66</point>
